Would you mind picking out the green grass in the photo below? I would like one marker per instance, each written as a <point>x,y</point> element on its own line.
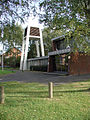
<point>9,68</point>
<point>4,72</point>
<point>29,101</point>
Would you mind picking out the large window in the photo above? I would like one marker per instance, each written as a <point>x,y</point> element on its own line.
<point>61,62</point>
<point>61,44</point>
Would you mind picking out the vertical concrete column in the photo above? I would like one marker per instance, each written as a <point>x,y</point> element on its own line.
<point>42,45</point>
<point>22,55</point>
<point>1,95</point>
<point>26,48</point>
<point>37,48</point>
<point>51,64</point>
<point>53,46</point>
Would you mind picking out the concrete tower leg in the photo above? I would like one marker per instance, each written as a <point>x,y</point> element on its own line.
<point>22,55</point>
<point>42,45</point>
<point>37,48</point>
<point>26,49</point>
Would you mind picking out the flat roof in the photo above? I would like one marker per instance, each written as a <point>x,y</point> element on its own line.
<point>38,58</point>
<point>58,38</point>
<point>58,52</point>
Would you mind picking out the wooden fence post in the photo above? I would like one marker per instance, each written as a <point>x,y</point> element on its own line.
<point>50,90</point>
<point>1,95</point>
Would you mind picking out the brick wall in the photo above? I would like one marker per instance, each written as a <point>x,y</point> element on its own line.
<point>79,64</point>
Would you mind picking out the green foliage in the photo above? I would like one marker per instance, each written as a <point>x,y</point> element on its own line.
<point>12,35</point>
<point>12,58</point>
<point>12,61</point>
<point>39,68</point>
<point>69,15</point>
<point>29,101</point>
<point>32,51</point>
<point>48,34</point>
<point>13,10</point>
<point>4,72</point>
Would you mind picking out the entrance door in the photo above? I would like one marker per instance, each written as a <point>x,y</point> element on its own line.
<point>61,62</point>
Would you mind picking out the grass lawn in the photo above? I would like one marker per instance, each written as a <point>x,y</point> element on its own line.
<point>4,72</point>
<point>29,101</point>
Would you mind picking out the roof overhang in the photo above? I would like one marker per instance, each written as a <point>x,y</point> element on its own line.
<point>58,52</point>
<point>38,58</point>
<point>58,38</point>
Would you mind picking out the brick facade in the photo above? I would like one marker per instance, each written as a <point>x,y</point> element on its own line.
<point>79,64</point>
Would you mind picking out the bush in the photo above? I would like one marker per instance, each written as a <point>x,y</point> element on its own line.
<point>12,61</point>
<point>39,68</point>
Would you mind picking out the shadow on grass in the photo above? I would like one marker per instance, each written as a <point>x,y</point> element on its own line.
<point>24,98</point>
<point>33,94</point>
<point>73,91</point>
<point>40,94</point>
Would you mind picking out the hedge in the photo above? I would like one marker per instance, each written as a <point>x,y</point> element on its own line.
<point>39,68</point>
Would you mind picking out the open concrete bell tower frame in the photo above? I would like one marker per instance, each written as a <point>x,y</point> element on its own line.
<point>30,33</point>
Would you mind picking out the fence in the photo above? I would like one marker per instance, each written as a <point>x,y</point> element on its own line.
<point>2,96</point>
<point>38,64</point>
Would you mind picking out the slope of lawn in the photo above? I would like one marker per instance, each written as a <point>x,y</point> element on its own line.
<point>29,101</point>
<point>4,72</point>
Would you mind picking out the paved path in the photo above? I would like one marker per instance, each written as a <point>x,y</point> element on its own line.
<point>41,77</point>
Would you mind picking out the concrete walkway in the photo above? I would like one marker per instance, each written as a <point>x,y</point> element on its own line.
<point>41,77</point>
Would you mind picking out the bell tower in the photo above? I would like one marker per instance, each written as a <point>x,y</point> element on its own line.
<point>30,33</point>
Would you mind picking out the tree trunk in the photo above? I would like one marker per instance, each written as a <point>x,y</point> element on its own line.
<point>2,62</point>
<point>2,58</point>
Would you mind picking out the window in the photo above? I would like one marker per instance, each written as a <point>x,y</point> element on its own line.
<point>60,44</point>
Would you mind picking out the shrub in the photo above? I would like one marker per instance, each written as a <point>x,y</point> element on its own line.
<point>39,68</point>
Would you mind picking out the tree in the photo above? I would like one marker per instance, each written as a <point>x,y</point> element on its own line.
<point>32,51</point>
<point>12,57</point>
<point>48,34</point>
<point>13,10</point>
<point>11,37</point>
<point>70,16</point>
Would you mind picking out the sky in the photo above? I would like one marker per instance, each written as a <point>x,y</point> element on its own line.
<point>33,21</point>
